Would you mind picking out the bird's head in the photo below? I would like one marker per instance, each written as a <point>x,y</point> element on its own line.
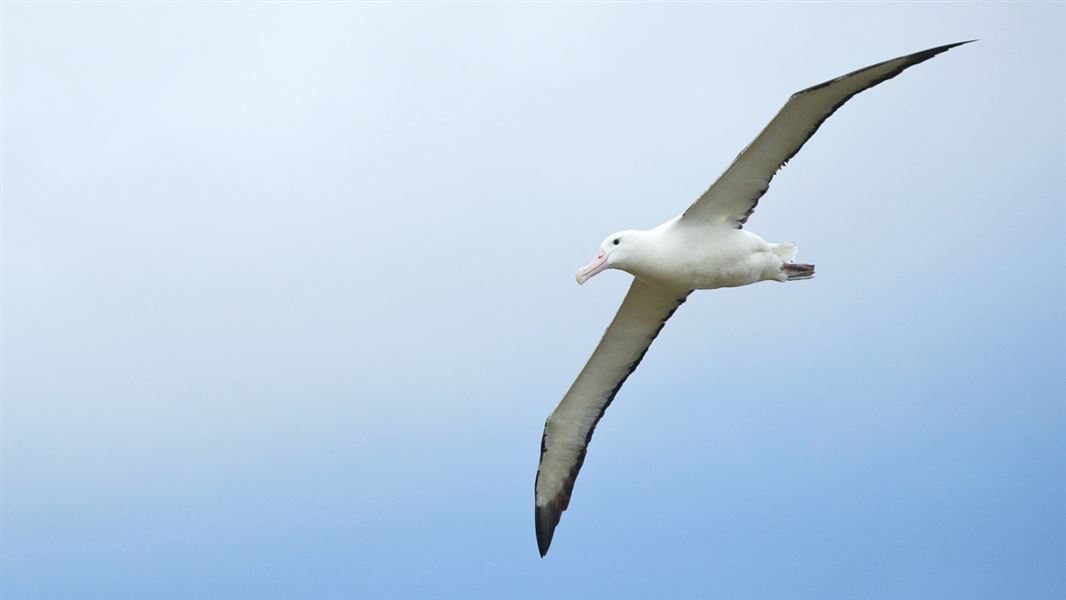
<point>614,253</point>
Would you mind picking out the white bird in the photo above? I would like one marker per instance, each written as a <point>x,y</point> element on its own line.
<point>704,248</point>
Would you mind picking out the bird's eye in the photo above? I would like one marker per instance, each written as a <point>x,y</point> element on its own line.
<point>616,240</point>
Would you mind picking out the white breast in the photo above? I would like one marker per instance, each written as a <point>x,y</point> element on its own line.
<point>702,258</point>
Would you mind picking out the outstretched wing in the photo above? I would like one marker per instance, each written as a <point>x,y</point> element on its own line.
<point>569,428</point>
<point>732,198</point>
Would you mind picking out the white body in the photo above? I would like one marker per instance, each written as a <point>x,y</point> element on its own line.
<point>683,256</point>
<point>704,248</point>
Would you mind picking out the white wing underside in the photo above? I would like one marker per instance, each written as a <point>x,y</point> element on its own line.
<point>727,203</point>
<point>732,198</point>
<point>569,428</point>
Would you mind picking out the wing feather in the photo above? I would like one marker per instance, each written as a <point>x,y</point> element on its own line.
<point>569,428</point>
<point>732,198</point>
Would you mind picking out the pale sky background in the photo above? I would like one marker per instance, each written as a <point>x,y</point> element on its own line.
<point>288,294</point>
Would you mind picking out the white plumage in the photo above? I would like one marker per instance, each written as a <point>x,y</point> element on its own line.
<point>704,248</point>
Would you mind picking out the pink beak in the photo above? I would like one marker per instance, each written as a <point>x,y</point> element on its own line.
<point>586,272</point>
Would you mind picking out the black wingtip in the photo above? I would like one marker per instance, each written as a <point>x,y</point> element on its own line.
<point>947,47</point>
<point>546,518</point>
<point>924,55</point>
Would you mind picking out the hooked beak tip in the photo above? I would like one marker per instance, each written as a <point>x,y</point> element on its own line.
<point>588,271</point>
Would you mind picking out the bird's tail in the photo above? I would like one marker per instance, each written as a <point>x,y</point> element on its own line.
<point>794,271</point>
<point>786,252</point>
<point>789,269</point>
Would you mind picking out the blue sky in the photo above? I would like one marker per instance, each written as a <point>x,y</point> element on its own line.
<point>288,294</point>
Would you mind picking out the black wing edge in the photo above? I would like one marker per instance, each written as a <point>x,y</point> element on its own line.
<point>547,517</point>
<point>910,61</point>
<point>913,59</point>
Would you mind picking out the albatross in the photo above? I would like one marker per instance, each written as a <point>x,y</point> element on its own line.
<point>704,248</point>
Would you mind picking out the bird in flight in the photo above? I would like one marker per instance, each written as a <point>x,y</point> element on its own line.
<point>704,248</point>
